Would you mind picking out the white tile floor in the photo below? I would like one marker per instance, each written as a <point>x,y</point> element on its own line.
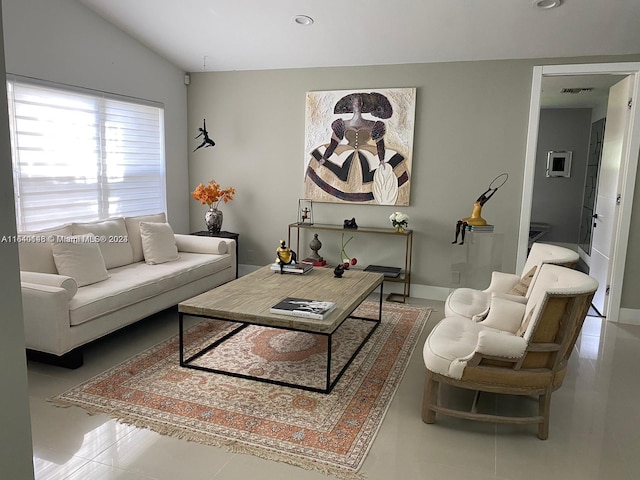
<point>595,425</point>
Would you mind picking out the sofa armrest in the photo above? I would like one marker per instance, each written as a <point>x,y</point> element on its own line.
<point>502,282</point>
<point>46,318</point>
<point>197,244</point>
<point>51,280</point>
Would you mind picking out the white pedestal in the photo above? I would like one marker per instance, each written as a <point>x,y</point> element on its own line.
<point>473,262</point>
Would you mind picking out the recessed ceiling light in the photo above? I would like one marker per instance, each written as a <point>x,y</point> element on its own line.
<point>546,4</point>
<point>303,20</point>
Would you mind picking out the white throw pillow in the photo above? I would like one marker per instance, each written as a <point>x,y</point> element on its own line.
<point>113,240</point>
<point>504,315</point>
<point>79,257</point>
<point>133,230</point>
<point>158,243</point>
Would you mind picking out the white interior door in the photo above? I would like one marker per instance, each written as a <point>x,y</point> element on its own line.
<point>606,212</point>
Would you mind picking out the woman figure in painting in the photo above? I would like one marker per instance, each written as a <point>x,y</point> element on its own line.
<point>337,166</point>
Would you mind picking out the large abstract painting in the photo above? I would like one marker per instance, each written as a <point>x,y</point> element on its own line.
<point>359,146</point>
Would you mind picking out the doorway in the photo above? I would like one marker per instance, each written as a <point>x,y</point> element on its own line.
<point>628,169</point>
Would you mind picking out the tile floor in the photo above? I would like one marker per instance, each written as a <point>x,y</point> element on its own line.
<point>595,425</point>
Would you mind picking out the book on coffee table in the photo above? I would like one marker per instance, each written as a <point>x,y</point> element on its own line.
<point>303,307</point>
<point>295,268</point>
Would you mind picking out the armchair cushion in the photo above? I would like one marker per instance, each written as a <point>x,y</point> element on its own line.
<point>467,302</point>
<point>504,315</point>
<point>502,282</point>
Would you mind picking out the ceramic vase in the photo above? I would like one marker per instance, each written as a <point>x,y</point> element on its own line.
<point>213,219</point>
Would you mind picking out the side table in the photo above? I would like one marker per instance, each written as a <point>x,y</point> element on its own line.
<point>222,234</point>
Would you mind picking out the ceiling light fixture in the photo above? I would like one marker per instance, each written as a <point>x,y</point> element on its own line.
<point>304,20</point>
<point>547,4</point>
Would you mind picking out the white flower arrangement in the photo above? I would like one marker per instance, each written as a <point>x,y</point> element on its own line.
<point>399,219</point>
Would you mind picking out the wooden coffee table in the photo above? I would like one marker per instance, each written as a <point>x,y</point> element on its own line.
<point>247,301</point>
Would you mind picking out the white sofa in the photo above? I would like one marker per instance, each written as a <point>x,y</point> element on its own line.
<point>81,281</point>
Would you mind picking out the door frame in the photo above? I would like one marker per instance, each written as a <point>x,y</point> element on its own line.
<point>628,169</point>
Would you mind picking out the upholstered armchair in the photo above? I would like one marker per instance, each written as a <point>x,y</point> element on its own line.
<point>474,304</point>
<point>519,349</point>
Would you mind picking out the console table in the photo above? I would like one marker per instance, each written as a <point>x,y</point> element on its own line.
<point>407,236</point>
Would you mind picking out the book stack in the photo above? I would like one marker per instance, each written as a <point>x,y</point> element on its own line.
<point>390,272</point>
<point>298,268</point>
<point>303,307</point>
<point>480,228</point>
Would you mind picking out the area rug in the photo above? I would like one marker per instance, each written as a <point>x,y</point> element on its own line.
<point>329,433</point>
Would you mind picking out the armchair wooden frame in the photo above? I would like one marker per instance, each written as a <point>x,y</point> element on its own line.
<point>540,371</point>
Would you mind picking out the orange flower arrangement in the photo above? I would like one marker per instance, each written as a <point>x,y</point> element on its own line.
<point>212,194</point>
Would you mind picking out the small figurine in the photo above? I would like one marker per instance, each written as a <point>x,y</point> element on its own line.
<point>206,141</point>
<point>285,256</point>
<point>351,224</point>
<point>338,271</point>
<point>476,215</point>
<point>305,214</point>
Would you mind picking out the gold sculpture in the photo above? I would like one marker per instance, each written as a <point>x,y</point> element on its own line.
<point>284,255</point>
<point>476,219</point>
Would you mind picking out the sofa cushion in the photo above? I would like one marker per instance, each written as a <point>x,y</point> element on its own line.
<point>79,257</point>
<point>133,230</point>
<point>113,240</point>
<point>35,252</point>
<point>158,243</point>
<point>139,281</point>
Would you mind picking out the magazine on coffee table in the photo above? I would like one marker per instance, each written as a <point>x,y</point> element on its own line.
<point>303,307</point>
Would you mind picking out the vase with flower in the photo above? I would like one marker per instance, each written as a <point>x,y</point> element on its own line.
<point>211,195</point>
<point>399,221</point>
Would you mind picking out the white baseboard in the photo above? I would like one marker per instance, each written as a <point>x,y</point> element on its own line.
<point>630,316</point>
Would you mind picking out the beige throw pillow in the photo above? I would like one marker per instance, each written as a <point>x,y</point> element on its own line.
<point>504,315</point>
<point>523,285</point>
<point>158,243</point>
<point>79,257</point>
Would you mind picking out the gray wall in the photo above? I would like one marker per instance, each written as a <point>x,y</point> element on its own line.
<point>15,427</point>
<point>558,200</point>
<point>63,41</point>
<point>471,125</point>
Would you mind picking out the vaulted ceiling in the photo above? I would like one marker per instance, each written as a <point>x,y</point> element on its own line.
<point>221,35</point>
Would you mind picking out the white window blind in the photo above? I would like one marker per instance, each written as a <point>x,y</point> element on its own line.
<point>82,155</point>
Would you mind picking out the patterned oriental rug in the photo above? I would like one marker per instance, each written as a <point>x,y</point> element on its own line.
<point>329,433</point>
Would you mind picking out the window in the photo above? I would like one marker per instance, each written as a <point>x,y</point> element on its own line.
<point>82,155</point>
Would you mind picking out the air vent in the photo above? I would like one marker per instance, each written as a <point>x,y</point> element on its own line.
<point>577,90</point>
